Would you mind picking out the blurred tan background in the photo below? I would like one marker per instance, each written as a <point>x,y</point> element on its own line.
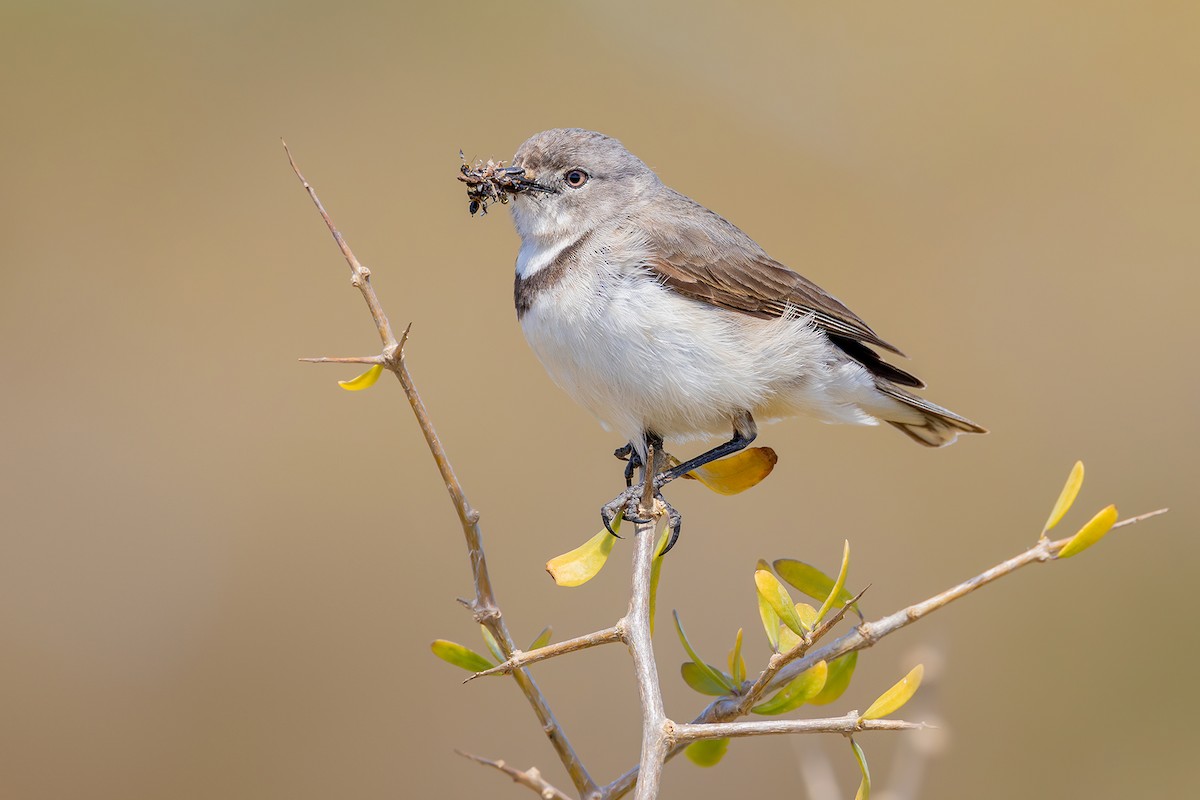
<point>220,573</point>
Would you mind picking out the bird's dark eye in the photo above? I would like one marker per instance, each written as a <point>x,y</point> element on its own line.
<point>576,178</point>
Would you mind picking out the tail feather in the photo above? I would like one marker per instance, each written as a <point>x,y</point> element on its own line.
<point>938,426</point>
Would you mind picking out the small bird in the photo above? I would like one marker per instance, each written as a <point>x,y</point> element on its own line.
<point>669,323</point>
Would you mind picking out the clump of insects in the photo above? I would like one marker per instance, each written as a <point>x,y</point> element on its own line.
<point>491,182</point>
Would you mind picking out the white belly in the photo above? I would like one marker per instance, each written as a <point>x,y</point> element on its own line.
<point>641,357</point>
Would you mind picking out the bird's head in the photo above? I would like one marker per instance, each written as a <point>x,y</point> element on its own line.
<point>575,180</point>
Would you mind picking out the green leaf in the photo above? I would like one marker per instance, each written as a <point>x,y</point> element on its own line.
<point>789,640</point>
<point>542,639</point>
<point>770,621</point>
<point>655,571</point>
<point>737,664</point>
<point>894,698</point>
<point>841,670</point>
<point>864,788</point>
<point>1092,532</point>
<point>771,590</point>
<point>698,678</point>
<point>807,615</point>
<point>363,381</point>
<point>706,752</point>
<point>839,585</point>
<point>492,644</point>
<point>713,675</point>
<point>580,565</point>
<point>810,580</point>
<point>460,656</point>
<point>1066,497</point>
<point>801,689</point>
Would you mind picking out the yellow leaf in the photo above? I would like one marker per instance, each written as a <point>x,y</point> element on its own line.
<point>1090,533</point>
<point>543,638</point>
<point>771,590</point>
<point>1069,492</point>
<point>460,656</point>
<point>581,564</point>
<point>491,643</point>
<point>808,619</point>
<point>807,615</point>
<point>894,698</point>
<point>737,664</point>
<point>787,639</point>
<point>839,585</point>
<point>363,381</point>
<point>738,472</point>
<point>706,752</point>
<point>770,621</point>
<point>864,787</point>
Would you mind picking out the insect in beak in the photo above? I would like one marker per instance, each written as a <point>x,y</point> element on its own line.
<point>494,183</point>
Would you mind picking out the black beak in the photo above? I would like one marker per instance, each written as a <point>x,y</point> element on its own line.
<point>515,180</point>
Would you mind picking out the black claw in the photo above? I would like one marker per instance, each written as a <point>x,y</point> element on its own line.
<point>608,521</point>
<point>675,520</point>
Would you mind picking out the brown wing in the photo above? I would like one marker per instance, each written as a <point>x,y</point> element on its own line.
<point>702,256</point>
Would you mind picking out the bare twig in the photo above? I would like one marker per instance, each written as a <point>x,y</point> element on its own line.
<point>684,733</point>
<point>485,608</point>
<point>523,658</point>
<point>530,777</point>
<point>347,360</point>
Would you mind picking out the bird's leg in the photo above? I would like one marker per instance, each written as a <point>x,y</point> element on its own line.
<point>627,501</point>
<point>744,432</point>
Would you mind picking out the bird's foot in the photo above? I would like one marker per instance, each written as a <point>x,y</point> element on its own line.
<point>632,459</point>
<point>628,505</point>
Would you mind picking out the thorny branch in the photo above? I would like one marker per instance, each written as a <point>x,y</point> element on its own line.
<point>686,733</point>
<point>531,777</point>
<point>521,658</point>
<point>484,607</point>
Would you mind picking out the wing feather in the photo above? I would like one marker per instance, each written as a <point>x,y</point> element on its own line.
<point>703,256</point>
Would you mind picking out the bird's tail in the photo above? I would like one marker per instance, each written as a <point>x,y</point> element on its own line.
<point>933,425</point>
